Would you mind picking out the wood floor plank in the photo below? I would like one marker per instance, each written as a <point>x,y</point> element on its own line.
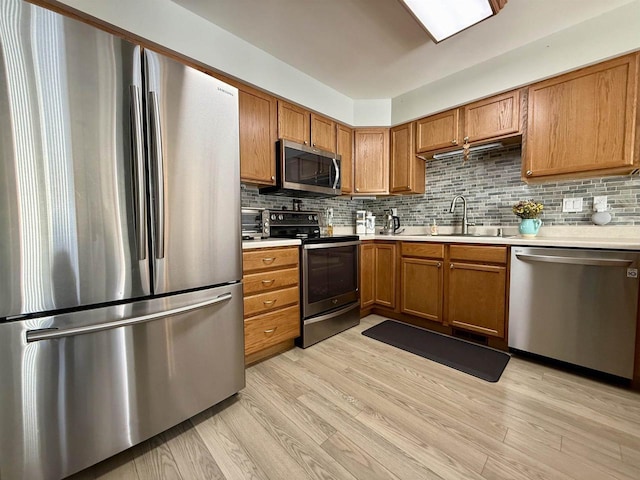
<point>192,457</point>
<point>293,439</point>
<point>118,467</point>
<point>226,448</point>
<point>551,440</point>
<point>356,460</point>
<point>630,456</point>
<point>392,456</point>
<point>153,459</point>
<point>314,426</point>
<point>614,465</point>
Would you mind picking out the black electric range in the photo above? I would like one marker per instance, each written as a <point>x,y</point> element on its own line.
<point>303,225</point>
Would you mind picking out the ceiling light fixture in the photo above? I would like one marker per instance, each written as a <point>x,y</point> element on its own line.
<point>444,18</point>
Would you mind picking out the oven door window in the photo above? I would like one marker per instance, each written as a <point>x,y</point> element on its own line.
<point>331,272</point>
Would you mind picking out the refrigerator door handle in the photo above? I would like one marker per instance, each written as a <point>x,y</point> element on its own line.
<point>54,333</point>
<point>138,171</point>
<point>159,173</point>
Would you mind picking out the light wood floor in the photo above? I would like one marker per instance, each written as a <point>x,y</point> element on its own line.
<point>353,408</point>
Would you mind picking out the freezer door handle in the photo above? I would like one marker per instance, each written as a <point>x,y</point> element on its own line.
<point>138,172</point>
<point>53,333</point>
<point>159,173</point>
<point>596,262</point>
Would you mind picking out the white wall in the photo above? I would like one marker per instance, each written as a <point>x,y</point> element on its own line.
<point>165,23</point>
<point>609,35</point>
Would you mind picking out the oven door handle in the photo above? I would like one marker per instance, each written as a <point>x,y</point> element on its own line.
<point>333,313</point>
<point>313,246</point>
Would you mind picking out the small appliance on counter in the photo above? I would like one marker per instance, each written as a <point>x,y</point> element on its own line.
<point>391,222</point>
<point>370,224</point>
<point>361,218</point>
<point>255,223</point>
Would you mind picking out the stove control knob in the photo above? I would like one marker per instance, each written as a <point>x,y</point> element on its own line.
<point>273,216</point>
<point>280,217</point>
<point>315,217</point>
<point>310,217</point>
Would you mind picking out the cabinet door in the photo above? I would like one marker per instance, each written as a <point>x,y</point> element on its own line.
<point>421,288</point>
<point>293,123</point>
<point>385,274</point>
<point>494,117</point>
<point>438,131</point>
<point>407,171</point>
<point>371,160</point>
<point>583,122</point>
<point>323,133</point>
<point>476,298</point>
<point>367,274</point>
<point>258,135</point>
<point>345,150</point>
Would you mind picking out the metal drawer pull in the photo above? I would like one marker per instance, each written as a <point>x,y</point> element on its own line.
<point>270,331</point>
<point>439,264</point>
<point>268,303</point>
<point>268,283</point>
<point>52,333</point>
<point>451,266</point>
<point>268,260</point>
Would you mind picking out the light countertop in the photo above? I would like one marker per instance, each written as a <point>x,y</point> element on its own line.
<point>269,242</point>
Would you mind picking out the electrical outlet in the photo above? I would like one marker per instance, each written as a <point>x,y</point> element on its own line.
<point>571,205</point>
<point>600,203</point>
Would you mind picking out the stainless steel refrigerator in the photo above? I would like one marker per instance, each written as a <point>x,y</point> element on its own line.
<point>120,249</point>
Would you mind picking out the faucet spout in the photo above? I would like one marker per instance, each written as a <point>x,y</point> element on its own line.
<point>465,223</point>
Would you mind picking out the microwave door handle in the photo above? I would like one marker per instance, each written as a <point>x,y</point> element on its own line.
<point>335,182</point>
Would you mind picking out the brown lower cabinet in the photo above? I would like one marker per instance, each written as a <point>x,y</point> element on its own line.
<point>271,301</point>
<point>450,287</point>
<point>377,274</point>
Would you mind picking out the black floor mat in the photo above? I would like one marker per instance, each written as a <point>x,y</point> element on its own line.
<point>476,360</point>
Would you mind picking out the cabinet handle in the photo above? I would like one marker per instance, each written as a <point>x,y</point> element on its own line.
<point>270,331</point>
<point>466,139</point>
<point>454,142</point>
<point>439,264</point>
<point>269,260</point>
<point>529,173</point>
<point>273,177</point>
<point>314,144</point>
<point>268,283</point>
<point>305,142</point>
<point>451,266</point>
<point>357,189</point>
<point>268,303</point>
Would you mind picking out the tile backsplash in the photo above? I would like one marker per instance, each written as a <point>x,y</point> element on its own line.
<point>490,181</point>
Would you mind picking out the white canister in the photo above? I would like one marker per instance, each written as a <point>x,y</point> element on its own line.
<point>370,225</point>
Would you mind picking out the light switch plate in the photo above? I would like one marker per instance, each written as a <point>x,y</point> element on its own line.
<point>571,205</point>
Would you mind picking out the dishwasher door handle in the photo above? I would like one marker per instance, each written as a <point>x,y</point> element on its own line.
<point>596,262</point>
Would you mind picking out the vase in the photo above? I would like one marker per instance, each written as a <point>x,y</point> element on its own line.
<point>529,227</point>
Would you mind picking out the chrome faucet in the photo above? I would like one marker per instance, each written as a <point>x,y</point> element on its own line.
<point>465,223</point>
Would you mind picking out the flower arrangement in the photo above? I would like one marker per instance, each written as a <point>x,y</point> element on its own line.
<point>527,209</point>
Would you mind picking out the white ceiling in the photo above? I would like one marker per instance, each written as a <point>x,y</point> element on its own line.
<point>374,49</point>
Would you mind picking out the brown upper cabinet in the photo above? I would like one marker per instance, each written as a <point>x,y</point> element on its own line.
<point>371,161</point>
<point>301,126</point>
<point>583,123</point>
<point>492,118</point>
<point>258,134</point>
<point>344,138</point>
<point>407,171</point>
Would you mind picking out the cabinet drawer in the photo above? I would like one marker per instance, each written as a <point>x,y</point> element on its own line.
<point>425,250</point>
<point>264,302</point>
<point>478,253</point>
<point>269,258</point>
<point>270,329</point>
<point>270,280</point>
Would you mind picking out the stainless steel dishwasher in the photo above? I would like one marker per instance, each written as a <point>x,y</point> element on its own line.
<point>575,305</point>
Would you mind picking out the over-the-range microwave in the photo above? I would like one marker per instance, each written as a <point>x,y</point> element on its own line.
<point>305,171</point>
